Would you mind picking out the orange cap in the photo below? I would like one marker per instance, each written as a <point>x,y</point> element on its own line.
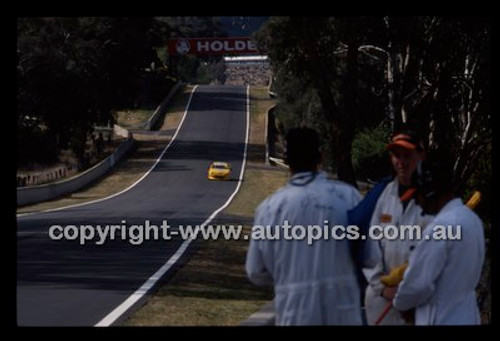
<point>406,141</point>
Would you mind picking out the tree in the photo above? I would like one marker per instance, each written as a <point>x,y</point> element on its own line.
<point>312,50</point>
<point>191,68</point>
<point>72,72</point>
<point>431,71</point>
<point>438,78</point>
<point>57,69</point>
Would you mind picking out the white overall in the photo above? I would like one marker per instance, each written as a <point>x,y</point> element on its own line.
<point>389,211</point>
<point>443,274</point>
<point>314,284</point>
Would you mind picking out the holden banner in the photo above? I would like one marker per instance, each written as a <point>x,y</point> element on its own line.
<point>212,46</point>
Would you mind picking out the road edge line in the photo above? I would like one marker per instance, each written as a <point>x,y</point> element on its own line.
<point>131,186</point>
<point>151,281</point>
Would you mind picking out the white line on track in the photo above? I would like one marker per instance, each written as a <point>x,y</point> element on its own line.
<point>139,293</point>
<point>135,183</point>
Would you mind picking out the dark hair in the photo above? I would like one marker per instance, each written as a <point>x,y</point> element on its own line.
<point>302,149</point>
<point>435,176</point>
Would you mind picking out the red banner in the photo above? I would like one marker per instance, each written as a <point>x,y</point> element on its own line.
<point>211,46</point>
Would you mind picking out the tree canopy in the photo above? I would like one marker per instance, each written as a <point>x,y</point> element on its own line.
<point>361,73</point>
<point>73,72</point>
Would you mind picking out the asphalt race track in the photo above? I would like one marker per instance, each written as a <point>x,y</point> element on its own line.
<point>63,283</point>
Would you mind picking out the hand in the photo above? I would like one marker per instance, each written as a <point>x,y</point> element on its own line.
<point>389,292</point>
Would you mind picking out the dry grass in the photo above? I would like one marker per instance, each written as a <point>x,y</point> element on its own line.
<point>126,172</point>
<point>132,118</point>
<point>257,185</point>
<point>212,288</point>
<point>259,104</point>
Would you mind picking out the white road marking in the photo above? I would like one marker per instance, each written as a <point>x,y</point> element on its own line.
<point>135,183</point>
<point>139,293</point>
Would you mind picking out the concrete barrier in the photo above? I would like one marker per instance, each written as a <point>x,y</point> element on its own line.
<point>30,195</point>
<point>272,94</point>
<point>278,162</point>
<point>34,194</point>
<point>120,131</point>
<point>161,108</point>
<point>266,132</point>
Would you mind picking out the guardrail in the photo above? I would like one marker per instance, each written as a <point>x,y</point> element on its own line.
<point>34,194</point>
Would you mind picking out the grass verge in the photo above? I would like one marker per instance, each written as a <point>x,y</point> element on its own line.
<point>212,288</point>
<point>133,118</point>
<point>147,149</point>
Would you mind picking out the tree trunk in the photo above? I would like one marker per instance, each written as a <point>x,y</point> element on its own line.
<point>341,145</point>
<point>443,138</point>
<point>342,129</point>
<point>349,116</point>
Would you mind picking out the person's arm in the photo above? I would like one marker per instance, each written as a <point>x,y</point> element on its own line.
<point>379,269</point>
<point>371,254</point>
<point>425,265</point>
<point>374,280</point>
<point>366,252</point>
<point>256,269</point>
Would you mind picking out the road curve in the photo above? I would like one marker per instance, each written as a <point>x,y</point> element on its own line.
<point>63,283</point>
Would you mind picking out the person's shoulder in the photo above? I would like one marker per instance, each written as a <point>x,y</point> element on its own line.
<point>342,185</point>
<point>390,180</point>
<point>458,213</point>
<point>387,182</point>
<point>278,195</point>
<point>345,186</point>
<point>388,185</point>
<point>331,181</point>
<point>343,190</point>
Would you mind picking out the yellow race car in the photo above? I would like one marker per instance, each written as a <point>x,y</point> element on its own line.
<point>219,171</point>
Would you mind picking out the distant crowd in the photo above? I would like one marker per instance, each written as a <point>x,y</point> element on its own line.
<point>251,73</point>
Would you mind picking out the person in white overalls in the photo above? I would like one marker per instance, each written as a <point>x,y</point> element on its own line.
<point>443,273</point>
<point>395,206</point>
<point>314,283</point>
